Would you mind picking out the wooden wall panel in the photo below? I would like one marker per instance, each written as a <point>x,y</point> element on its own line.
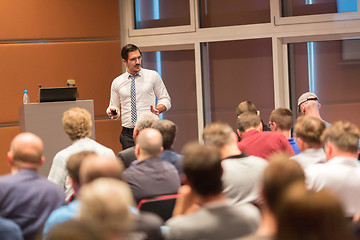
<point>7,134</point>
<point>108,132</point>
<point>39,19</point>
<point>24,66</point>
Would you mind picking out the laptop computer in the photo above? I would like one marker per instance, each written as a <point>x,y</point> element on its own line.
<point>59,94</point>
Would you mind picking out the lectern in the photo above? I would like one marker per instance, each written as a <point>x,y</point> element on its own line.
<point>44,120</point>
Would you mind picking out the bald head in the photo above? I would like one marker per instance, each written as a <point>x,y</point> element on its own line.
<point>100,166</point>
<point>26,148</point>
<point>149,143</point>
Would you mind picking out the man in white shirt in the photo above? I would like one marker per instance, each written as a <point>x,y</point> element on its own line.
<point>341,174</point>
<point>77,125</point>
<point>242,173</point>
<point>135,92</point>
<point>308,131</point>
<point>215,218</point>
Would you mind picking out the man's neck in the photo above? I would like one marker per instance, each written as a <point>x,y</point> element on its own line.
<point>345,154</point>
<point>229,150</point>
<point>143,157</point>
<point>132,73</point>
<point>286,133</point>
<point>211,199</point>
<point>251,128</point>
<point>314,113</point>
<point>14,169</point>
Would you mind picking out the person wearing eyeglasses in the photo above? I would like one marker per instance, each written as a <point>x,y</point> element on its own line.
<point>281,121</point>
<point>134,92</point>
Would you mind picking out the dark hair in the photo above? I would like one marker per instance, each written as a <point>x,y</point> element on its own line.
<point>129,48</point>
<point>282,117</point>
<point>278,176</point>
<point>306,214</point>
<point>168,131</point>
<point>247,120</point>
<point>74,162</point>
<point>245,106</point>
<point>202,167</point>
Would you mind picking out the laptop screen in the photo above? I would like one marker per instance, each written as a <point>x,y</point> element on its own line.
<point>58,94</point>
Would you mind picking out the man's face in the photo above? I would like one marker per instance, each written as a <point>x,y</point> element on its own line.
<point>133,64</point>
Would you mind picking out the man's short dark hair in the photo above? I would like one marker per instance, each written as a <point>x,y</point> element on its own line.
<point>247,120</point>
<point>74,162</point>
<point>245,106</point>
<point>129,48</point>
<point>168,131</point>
<point>278,176</point>
<point>202,167</point>
<point>282,117</point>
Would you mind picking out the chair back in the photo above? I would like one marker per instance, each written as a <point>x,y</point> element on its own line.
<point>162,206</point>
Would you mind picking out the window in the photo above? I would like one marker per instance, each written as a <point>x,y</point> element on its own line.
<point>177,69</point>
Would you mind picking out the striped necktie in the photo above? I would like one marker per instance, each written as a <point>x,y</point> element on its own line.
<point>133,99</point>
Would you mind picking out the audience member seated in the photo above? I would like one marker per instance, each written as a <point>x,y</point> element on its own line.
<point>168,131</point>
<point>9,230</point>
<point>74,229</point>
<point>147,225</point>
<point>281,120</point>
<point>77,125</point>
<point>305,214</point>
<point>256,142</point>
<point>341,174</point>
<point>70,211</point>
<point>105,204</point>
<point>308,131</point>
<point>150,176</point>
<point>278,176</point>
<point>25,196</point>
<point>145,120</point>
<point>216,218</point>
<point>242,173</point>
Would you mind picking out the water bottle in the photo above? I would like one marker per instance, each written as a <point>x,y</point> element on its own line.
<point>26,97</point>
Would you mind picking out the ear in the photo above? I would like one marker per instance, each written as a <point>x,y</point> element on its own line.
<point>161,149</point>
<point>329,150</point>
<point>300,143</point>
<point>258,113</point>
<point>260,127</point>
<point>137,150</point>
<point>275,126</point>
<point>183,178</point>
<point>124,61</point>
<point>319,106</point>
<point>135,133</point>
<point>10,158</point>
<point>42,161</point>
<point>302,109</point>
<point>239,133</point>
